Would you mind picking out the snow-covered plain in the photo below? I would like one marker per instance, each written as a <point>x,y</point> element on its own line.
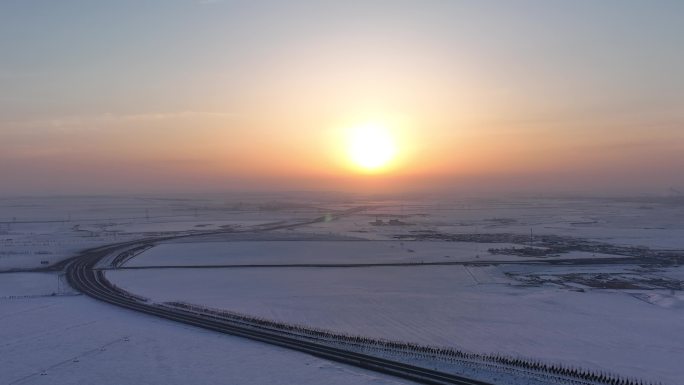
<point>653,222</point>
<point>49,229</point>
<point>312,252</point>
<point>544,312</point>
<point>77,340</point>
<point>472,308</point>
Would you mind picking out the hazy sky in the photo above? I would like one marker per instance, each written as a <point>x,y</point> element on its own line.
<point>141,96</point>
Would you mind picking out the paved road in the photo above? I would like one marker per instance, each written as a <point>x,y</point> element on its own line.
<point>83,277</point>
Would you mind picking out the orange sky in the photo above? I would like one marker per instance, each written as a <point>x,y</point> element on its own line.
<point>234,96</point>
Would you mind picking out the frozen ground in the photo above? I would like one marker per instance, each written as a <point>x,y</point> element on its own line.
<point>297,251</point>
<point>35,232</point>
<point>302,252</point>
<point>652,222</point>
<point>626,319</point>
<point>473,308</point>
<point>77,340</point>
<point>46,230</point>
<point>18,285</point>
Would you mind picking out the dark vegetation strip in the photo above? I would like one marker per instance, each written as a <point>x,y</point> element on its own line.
<point>448,353</point>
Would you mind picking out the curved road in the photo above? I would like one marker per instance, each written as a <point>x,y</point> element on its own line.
<point>83,276</point>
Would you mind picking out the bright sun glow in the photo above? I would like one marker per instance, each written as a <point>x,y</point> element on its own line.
<point>371,147</point>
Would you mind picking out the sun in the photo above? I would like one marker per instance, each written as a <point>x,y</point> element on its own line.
<point>371,147</point>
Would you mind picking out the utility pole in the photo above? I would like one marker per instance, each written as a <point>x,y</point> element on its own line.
<point>531,237</point>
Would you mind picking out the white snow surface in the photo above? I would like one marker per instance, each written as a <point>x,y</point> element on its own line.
<point>38,230</point>
<point>314,252</point>
<point>77,340</point>
<point>640,222</point>
<point>630,332</point>
<point>471,308</point>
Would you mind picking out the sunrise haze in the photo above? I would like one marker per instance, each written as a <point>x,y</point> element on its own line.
<point>154,96</point>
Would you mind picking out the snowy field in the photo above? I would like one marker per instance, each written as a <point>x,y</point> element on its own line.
<point>304,252</point>
<point>654,222</point>
<point>47,230</point>
<point>77,340</point>
<point>35,232</point>
<point>624,318</point>
<point>472,308</point>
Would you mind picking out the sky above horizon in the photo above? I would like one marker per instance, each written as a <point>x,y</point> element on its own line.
<point>182,95</point>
